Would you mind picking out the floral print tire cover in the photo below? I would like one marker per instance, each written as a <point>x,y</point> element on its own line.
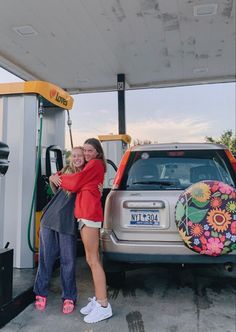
<point>205,216</point>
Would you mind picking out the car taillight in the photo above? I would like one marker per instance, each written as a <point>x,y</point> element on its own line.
<point>120,170</point>
<point>231,159</point>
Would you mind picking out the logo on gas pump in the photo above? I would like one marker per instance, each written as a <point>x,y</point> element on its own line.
<point>55,95</point>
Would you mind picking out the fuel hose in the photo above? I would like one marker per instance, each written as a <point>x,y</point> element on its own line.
<point>36,176</point>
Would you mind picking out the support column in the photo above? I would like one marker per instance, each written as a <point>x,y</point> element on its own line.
<point>121,103</point>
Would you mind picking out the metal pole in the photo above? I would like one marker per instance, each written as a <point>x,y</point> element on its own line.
<point>69,123</point>
<point>121,103</point>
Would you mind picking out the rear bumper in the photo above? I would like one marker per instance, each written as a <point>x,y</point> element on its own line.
<point>154,252</point>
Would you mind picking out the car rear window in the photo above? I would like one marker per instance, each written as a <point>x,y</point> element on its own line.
<point>175,170</point>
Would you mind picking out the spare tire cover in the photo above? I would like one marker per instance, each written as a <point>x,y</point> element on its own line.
<point>205,215</point>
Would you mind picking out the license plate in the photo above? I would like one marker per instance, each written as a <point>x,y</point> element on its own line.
<point>144,218</point>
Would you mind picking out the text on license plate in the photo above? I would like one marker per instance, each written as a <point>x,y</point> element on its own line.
<point>145,217</point>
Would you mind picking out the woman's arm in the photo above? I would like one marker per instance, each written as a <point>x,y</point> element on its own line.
<point>54,183</point>
<point>74,182</point>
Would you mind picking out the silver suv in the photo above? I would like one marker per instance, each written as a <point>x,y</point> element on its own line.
<point>139,225</point>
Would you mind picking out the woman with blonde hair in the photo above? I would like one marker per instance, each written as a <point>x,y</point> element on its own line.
<point>58,239</point>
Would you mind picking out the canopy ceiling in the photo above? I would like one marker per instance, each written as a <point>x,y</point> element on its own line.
<point>81,45</point>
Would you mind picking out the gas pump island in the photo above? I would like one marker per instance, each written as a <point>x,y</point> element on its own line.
<point>32,123</point>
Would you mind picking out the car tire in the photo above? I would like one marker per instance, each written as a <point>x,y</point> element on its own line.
<point>204,216</point>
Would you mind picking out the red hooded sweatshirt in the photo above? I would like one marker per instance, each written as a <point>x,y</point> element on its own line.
<point>85,184</point>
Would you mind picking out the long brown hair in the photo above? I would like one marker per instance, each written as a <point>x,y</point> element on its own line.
<point>98,147</point>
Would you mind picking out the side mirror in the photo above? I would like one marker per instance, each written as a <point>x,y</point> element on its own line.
<point>4,153</point>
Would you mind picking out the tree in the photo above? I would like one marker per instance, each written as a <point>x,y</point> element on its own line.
<point>227,138</point>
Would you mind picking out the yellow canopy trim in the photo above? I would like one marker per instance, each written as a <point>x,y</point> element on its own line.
<point>49,91</point>
<point>123,137</point>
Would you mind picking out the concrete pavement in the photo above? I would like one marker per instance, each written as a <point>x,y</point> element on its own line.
<point>154,299</point>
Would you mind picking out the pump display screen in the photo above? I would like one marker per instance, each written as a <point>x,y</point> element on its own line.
<point>53,161</point>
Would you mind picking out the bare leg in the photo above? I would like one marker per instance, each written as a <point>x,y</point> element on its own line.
<point>90,238</point>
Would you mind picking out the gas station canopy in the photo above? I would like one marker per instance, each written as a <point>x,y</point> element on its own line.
<point>81,46</point>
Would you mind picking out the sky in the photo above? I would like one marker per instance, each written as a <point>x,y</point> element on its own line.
<point>180,114</point>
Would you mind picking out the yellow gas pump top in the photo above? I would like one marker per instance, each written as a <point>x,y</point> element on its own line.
<point>122,137</point>
<point>49,91</point>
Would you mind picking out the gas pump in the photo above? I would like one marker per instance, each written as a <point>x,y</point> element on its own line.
<point>32,122</point>
<point>6,255</point>
<point>51,162</point>
<point>114,147</point>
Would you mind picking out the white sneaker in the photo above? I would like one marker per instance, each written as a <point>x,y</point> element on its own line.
<point>89,307</point>
<point>98,313</point>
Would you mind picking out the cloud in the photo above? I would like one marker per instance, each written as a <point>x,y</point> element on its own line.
<point>169,130</point>
<point>104,111</point>
<point>96,129</point>
<point>161,130</point>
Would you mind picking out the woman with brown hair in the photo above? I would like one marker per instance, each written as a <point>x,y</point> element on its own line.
<point>89,214</point>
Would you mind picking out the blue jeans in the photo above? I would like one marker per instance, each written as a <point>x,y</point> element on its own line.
<point>52,246</point>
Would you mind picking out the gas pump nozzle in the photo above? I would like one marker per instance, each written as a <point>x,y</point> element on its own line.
<point>40,111</point>
<point>4,152</point>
